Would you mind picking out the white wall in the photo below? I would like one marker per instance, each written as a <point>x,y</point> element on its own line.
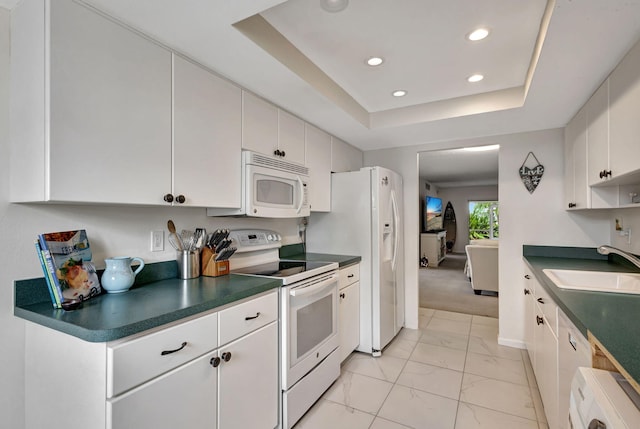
<point>11,329</point>
<point>524,219</point>
<point>539,218</point>
<point>112,231</point>
<point>459,198</point>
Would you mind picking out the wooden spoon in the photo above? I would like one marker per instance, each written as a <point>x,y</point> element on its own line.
<point>174,238</point>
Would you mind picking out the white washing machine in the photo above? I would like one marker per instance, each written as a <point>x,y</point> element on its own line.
<point>599,400</point>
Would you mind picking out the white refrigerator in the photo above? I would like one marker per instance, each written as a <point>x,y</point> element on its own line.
<point>366,220</point>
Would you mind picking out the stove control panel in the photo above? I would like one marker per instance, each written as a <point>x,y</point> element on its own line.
<point>248,240</point>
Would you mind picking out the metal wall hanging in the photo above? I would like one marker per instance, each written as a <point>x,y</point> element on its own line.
<point>531,173</point>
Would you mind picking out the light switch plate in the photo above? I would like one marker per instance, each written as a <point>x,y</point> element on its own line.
<point>157,241</point>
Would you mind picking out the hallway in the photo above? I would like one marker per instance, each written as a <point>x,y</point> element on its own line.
<point>446,287</point>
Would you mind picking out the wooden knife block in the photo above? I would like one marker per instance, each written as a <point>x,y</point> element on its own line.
<point>210,267</point>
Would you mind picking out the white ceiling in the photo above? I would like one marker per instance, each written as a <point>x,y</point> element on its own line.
<point>458,167</point>
<point>584,40</point>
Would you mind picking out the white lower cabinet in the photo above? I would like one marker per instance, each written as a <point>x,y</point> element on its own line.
<point>217,371</point>
<point>349,310</point>
<point>556,349</point>
<point>546,367</point>
<point>248,381</point>
<point>183,398</point>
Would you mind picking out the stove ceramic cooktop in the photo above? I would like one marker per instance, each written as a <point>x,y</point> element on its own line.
<point>288,271</point>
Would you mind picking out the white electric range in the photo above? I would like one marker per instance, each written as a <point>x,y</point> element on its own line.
<point>309,355</point>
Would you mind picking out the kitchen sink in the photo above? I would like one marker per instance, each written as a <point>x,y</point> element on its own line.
<point>595,280</point>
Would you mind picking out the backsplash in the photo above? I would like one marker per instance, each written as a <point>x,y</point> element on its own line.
<point>628,218</point>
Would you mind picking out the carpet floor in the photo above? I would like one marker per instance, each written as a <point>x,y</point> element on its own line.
<point>447,288</point>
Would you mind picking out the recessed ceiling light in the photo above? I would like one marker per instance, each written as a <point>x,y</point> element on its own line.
<point>481,148</point>
<point>478,34</point>
<point>334,5</point>
<point>374,61</point>
<point>475,78</point>
<point>399,93</point>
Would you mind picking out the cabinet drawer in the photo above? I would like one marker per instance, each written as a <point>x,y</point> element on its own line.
<point>133,362</point>
<point>349,275</point>
<point>548,307</point>
<point>241,319</point>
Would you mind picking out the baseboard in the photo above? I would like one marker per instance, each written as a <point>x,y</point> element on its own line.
<point>511,343</point>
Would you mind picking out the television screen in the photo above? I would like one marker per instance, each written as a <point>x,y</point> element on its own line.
<point>433,214</point>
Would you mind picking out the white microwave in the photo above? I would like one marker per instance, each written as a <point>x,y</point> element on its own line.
<point>271,188</point>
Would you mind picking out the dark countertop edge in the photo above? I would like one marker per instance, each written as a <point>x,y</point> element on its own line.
<point>104,335</point>
<point>571,301</point>
<point>342,260</point>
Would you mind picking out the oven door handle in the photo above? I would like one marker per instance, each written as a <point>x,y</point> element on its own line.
<point>312,288</point>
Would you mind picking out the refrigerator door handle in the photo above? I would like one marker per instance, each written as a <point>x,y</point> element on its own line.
<point>394,206</point>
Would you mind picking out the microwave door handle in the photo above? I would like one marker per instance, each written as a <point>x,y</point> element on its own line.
<point>308,290</point>
<point>301,183</point>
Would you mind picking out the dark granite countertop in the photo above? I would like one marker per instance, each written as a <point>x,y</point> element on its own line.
<point>160,301</point>
<point>613,318</point>
<point>296,252</point>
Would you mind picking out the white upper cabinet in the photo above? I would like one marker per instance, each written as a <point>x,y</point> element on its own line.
<point>259,125</point>
<point>576,190</point>
<point>270,130</point>
<point>291,137</point>
<point>624,100</point>
<point>598,135</point>
<point>318,154</point>
<point>207,137</point>
<point>344,157</point>
<point>98,126</point>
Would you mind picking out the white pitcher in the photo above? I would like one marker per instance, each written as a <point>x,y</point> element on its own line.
<point>118,276</point>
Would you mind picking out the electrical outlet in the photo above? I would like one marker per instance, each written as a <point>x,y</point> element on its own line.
<point>157,241</point>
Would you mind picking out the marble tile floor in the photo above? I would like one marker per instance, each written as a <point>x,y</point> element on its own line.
<point>451,373</point>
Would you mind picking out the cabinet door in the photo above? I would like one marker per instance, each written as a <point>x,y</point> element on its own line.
<point>546,366</point>
<point>248,381</point>
<point>349,319</point>
<point>291,137</point>
<point>259,125</point>
<point>182,398</point>
<point>344,157</point>
<point>624,106</point>
<point>598,134</point>
<point>207,137</point>
<point>577,192</point>
<point>110,124</point>
<point>318,159</point>
<point>529,317</point>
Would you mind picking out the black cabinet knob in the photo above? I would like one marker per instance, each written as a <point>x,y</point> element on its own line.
<point>527,276</point>
<point>215,361</point>
<point>283,154</point>
<point>596,424</point>
<point>342,295</point>
<point>168,198</point>
<point>605,173</point>
<point>527,292</point>
<point>540,300</point>
<point>180,199</point>
<point>572,205</point>
<point>226,356</point>
<point>276,152</point>
<point>539,320</point>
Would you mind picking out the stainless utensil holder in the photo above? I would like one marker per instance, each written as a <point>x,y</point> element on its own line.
<point>188,264</point>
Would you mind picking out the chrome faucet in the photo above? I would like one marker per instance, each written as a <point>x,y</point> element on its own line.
<point>605,250</point>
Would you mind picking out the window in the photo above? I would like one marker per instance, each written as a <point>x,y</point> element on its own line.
<point>483,219</point>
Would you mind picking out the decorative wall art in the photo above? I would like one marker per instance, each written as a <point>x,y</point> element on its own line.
<point>531,172</point>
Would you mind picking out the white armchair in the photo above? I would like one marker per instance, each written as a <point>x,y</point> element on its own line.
<point>482,260</point>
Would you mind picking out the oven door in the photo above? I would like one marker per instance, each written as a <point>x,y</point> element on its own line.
<point>310,325</point>
<point>275,193</point>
